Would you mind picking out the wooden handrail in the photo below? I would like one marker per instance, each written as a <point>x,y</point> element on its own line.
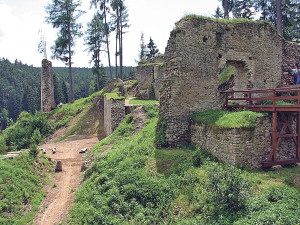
<point>249,99</point>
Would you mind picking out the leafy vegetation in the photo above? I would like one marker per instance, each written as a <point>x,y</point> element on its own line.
<point>21,182</point>
<point>136,183</point>
<point>226,74</point>
<point>28,129</point>
<point>20,86</point>
<point>227,119</point>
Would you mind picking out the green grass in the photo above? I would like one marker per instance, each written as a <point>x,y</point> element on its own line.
<point>135,101</point>
<point>63,115</point>
<point>21,182</point>
<point>227,119</point>
<point>136,183</point>
<point>270,102</point>
<point>226,74</point>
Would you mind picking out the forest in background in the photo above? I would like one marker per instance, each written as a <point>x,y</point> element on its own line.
<point>21,85</point>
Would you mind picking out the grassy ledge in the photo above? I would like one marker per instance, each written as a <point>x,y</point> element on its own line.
<point>225,119</point>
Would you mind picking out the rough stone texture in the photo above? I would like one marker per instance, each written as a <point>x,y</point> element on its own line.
<point>291,56</point>
<point>247,147</point>
<point>149,76</point>
<point>47,87</point>
<point>197,49</point>
<point>114,112</point>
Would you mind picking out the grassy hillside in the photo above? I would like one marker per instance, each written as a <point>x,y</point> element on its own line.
<point>21,182</point>
<point>136,183</point>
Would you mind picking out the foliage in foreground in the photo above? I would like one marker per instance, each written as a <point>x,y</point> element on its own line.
<point>135,183</point>
<point>19,136</point>
<point>21,181</point>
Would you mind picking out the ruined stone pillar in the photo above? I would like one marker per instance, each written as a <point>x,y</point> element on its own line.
<point>47,87</point>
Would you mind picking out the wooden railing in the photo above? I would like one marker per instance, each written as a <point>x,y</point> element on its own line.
<point>251,99</point>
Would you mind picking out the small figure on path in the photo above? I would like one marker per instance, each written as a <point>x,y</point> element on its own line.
<point>44,151</point>
<point>53,150</point>
<point>84,150</point>
<point>296,73</point>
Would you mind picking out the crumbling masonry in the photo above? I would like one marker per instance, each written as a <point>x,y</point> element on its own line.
<point>47,87</point>
<point>198,48</point>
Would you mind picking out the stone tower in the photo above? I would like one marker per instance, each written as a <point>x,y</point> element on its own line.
<point>47,87</point>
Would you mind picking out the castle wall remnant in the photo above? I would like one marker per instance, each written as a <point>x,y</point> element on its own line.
<point>247,147</point>
<point>149,76</point>
<point>197,49</point>
<point>47,87</point>
<point>114,112</point>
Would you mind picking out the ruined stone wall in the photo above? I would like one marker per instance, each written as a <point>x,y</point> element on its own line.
<point>114,112</point>
<point>197,49</point>
<point>291,56</point>
<point>247,147</point>
<point>149,75</point>
<point>47,87</point>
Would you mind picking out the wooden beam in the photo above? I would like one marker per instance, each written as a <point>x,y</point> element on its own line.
<point>280,162</point>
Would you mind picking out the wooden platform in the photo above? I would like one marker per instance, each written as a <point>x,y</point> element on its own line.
<point>252,100</point>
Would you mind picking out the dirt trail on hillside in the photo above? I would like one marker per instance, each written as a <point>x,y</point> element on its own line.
<point>61,191</point>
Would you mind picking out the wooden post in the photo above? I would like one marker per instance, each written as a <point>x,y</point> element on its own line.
<point>274,101</point>
<point>298,137</point>
<point>274,136</point>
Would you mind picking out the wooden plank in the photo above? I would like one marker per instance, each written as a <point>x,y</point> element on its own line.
<point>280,162</point>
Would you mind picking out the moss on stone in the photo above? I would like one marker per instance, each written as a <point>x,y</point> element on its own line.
<point>220,20</point>
<point>226,74</point>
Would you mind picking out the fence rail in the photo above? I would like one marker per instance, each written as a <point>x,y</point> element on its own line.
<point>252,99</point>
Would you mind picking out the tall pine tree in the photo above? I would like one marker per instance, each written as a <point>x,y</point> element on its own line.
<point>63,14</point>
<point>95,40</point>
<point>153,51</point>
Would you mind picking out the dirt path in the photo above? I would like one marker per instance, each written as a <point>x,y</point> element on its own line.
<point>60,193</point>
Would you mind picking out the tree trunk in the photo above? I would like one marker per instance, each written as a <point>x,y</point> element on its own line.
<point>121,46</point>
<point>116,55</point>
<point>107,42</point>
<point>97,69</point>
<point>117,36</point>
<point>279,16</point>
<point>70,62</point>
<point>225,4</point>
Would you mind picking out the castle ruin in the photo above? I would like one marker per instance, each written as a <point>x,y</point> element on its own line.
<point>47,87</point>
<point>198,48</point>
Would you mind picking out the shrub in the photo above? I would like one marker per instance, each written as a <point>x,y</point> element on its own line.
<point>160,139</point>
<point>275,205</point>
<point>227,190</point>
<point>151,109</point>
<point>19,135</point>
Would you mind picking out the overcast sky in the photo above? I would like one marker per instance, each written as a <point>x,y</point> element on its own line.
<point>20,21</point>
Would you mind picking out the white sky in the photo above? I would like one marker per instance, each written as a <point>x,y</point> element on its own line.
<point>20,21</point>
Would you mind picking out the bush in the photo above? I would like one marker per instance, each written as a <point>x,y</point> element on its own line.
<point>20,134</point>
<point>275,205</point>
<point>160,140</point>
<point>3,147</point>
<point>227,191</point>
